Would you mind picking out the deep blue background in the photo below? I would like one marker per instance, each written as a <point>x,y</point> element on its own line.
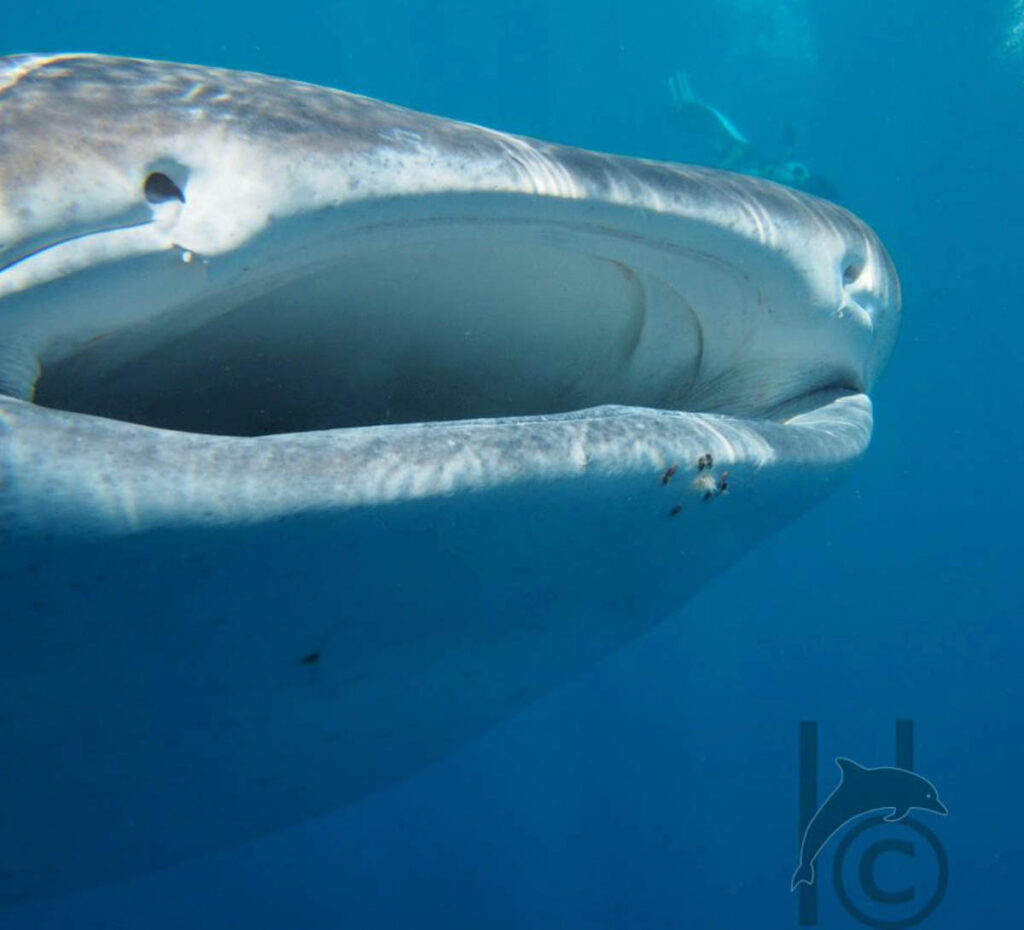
<point>660,790</point>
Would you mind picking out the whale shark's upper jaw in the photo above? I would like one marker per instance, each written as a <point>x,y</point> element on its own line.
<point>272,257</point>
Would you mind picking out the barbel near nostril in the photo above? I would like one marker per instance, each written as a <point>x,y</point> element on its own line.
<point>160,189</point>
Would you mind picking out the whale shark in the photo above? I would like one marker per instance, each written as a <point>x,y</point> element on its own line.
<point>333,434</point>
<point>860,791</point>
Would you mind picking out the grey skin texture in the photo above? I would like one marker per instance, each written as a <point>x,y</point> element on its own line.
<point>332,434</point>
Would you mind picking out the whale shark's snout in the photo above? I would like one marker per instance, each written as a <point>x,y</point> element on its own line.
<point>333,433</point>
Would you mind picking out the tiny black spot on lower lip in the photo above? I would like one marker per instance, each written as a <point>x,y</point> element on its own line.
<point>310,659</point>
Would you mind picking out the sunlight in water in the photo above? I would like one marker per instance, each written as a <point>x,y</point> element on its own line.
<point>1014,42</point>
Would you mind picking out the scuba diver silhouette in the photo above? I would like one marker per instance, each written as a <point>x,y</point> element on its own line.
<point>734,150</point>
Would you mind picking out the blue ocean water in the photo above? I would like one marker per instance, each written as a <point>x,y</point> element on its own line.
<point>661,789</point>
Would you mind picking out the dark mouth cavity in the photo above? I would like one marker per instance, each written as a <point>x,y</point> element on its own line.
<point>448,324</point>
<point>428,332</point>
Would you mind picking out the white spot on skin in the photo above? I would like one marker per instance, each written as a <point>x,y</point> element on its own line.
<point>413,139</point>
<point>704,483</point>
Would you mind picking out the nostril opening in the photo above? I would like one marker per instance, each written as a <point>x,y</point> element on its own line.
<point>159,189</point>
<point>852,271</point>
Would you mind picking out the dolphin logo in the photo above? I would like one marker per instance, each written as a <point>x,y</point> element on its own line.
<point>860,791</point>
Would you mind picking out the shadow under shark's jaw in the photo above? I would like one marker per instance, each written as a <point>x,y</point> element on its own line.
<point>444,321</point>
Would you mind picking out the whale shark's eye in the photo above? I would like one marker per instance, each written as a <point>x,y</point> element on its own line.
<point>852,271</point>
<point>159,189</point>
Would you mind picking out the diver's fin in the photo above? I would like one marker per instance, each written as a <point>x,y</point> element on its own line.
<point>684,98</point>
<point>682,90</point>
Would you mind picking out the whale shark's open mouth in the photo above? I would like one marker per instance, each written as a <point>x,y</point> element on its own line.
<point>462,324</point>
<point>427,320</point>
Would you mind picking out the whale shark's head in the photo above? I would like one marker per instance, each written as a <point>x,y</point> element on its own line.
<point>332,433</point>
<point>228,253</point>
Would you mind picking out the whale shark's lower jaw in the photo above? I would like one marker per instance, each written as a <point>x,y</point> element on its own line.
<point>209,638</point>
<point>361,430</point>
